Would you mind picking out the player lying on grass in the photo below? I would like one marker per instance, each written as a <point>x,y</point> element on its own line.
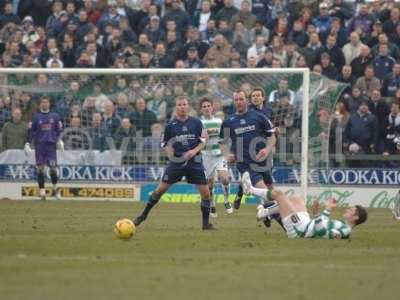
<point>296,219</point>
<point>183,140</point>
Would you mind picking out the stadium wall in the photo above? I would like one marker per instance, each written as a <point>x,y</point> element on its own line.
<point>368,187</point>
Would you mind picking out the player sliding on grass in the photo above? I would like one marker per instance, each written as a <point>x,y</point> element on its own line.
<point>297,221</point>
<point>184,138</point>
<point>214,162</point>
<point>45,133</point>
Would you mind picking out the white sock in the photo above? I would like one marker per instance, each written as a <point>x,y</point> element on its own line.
<point>262,193</point>
<point>42,192</point>
<point>226,193</point>
<point>54,187</point>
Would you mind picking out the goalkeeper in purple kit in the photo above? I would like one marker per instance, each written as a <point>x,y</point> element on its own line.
<point>45,134</point>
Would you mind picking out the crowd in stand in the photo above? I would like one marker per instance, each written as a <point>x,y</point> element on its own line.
<point>354,42</point>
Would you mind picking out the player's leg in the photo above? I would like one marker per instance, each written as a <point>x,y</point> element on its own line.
<point>213,208</point>
<point>40,169</point>
<point>205,206</point>
<point>153,200</point>
<point>238,197</point>
<point>210,172</point>
<point>195,175</point>
<point>52,162</point>
<point>223,177</point>
<point>41,160</point>
<point>172,174</point>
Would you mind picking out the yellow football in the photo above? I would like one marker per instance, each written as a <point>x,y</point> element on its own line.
<point>124,229</point>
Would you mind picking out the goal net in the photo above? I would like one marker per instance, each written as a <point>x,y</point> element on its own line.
<point>116,117</point>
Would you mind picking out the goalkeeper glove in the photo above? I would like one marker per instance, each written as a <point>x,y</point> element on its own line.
<point>27,149</point>
<point>60,145</point>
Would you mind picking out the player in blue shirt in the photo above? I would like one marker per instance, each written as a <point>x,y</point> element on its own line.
<point>252,140</point>
<point>45,133</point>
<point>183,140</point>
<point>258,104</point>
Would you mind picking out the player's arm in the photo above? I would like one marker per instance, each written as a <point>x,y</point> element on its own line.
<point>224,134</point>
<point>269,130</point>
<point>203,138</point>
<point>166,143</point>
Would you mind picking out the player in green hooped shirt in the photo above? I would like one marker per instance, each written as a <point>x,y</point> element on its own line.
<point>297,221</point>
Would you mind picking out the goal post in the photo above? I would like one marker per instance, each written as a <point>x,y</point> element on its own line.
<point>16,81</point>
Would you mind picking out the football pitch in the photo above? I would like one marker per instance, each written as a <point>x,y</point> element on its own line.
<point>67,250</point>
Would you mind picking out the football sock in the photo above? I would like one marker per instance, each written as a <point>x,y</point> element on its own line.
<point>240,192</point>
<point>40,179</point>
<point>205,211</point>
<point>212,204</point>
<point>53,176</point>
<point>262,193</point>
<point>154,198</point>
<point>273,209</point>
<point>226,193</point>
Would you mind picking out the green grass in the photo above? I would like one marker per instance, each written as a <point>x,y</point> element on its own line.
<point>67,250</point>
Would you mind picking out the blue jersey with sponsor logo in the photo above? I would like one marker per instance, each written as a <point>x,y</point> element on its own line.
<point>248,133</point>
<point>184,135</point>
<point>45,128</point>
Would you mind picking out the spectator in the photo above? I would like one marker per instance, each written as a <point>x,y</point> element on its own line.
<point>52,20</point>
<point>389,26</point>
<point>260,9</point>
<point>323,20</point>
<point>178,15</point>
<point>84,26</point>
<point>359,63</point>
<point>352,49</point>
<point>142,118</point>
<point>151,144</point>
<point>201,17</point>
<point>391,82</point>
<point>124,139</point>
<point>336,135</point>
<point>158,105</point>
<point>259,29</point>
<point>383,63</point>
<point>341,10</point>
<point>193,61</point>
<point>111,16</point>
<point>363,21</point>
<point>311,51</point>
<point>227,12</point>
<point>127,14</point>
<point>111,121</point>
<point>368,82</point>
<point>27,106</point>
<point>346,76</point>
<point>8,16</point>
<point>220,51</point>
<point>161,58</point>
<point>244,16</point>
<point>361,134</point>
<point>193,40</point>
<point>328,68</point>
<point>393,49</point>
<point>225,29</point>
<point>335,53</point>
<point>94,14</point>
<point>98,133</point>
<point>75,138</point>
<point>395,36</point>
<point>292,54</point>
<point>88,109</point>
<point>373,38</point>
<point>380,109</point>
<point>153,30</point>
<point>241,39</point>
<point>209,34</point>
<point>297,35</point>
<point>15,132</point>
<point>392,131</point>
<point>123,110</point>
<point>258,49</point>
<point>266,61</point>
<point>282,91</point>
